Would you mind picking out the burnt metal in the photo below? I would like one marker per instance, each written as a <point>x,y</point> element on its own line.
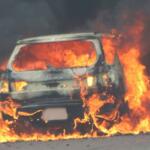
<point>49,83</point>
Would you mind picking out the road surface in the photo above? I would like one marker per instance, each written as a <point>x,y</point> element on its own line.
<point>138,142</point>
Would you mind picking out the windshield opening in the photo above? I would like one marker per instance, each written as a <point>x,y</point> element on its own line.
<point>64,54</point>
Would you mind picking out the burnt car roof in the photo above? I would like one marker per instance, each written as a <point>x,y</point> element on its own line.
<point>61,37</point>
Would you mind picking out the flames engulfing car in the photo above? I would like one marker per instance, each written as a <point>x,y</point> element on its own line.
<point>45,73</point>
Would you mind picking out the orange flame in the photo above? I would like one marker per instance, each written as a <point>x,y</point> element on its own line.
<point>56,54</point>
<point>137,117</point>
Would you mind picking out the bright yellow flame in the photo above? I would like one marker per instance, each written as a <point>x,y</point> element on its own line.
<point>19,85</point>
<point>4,87</point>
<point>90,81</point>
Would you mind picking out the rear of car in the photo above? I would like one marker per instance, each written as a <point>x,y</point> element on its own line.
<point>50,73</point>
<point>45,72</point>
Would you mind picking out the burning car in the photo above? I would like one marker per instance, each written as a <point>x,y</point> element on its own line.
<point>52,74</point>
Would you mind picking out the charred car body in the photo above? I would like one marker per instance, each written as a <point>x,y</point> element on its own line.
<point>39,75</point>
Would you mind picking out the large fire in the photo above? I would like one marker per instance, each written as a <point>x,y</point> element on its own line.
<point>57,54</point>
<point>136,119</point>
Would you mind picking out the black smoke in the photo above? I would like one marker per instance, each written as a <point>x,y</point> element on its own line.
<point>25,18</point>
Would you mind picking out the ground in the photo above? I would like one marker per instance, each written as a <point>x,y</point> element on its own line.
<point>138,142</point>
